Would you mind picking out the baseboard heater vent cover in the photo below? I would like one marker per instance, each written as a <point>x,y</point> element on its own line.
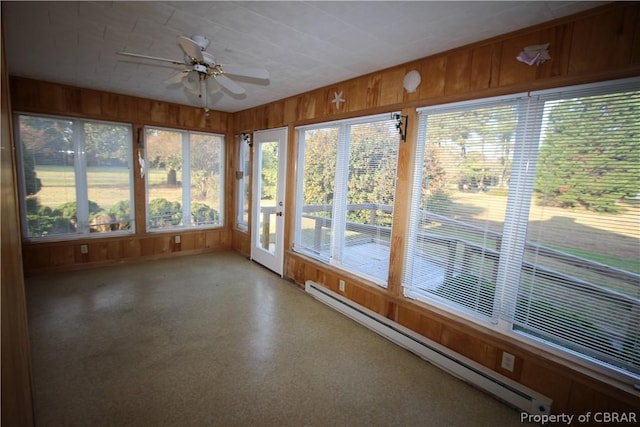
<point>503,388</point>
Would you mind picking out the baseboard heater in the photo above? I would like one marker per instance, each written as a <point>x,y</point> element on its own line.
<point>503,388</point>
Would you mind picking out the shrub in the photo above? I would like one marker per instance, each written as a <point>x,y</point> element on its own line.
<point>203,214</point>
<point>121,215</point>
<point>48,221</point>
<point>163,213</point>
<point>70,209</point>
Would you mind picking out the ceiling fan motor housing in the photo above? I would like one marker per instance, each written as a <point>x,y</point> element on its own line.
<point>200,68</point>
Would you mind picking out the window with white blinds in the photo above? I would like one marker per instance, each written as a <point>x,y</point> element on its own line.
<point>526,216</point>
<point>346,185</point>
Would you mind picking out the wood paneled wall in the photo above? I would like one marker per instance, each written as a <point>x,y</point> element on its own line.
<point>34,96</point>
<point>574,390</point>
<point>17,401</point>
<point>596,45</point>
<point>599,44</point>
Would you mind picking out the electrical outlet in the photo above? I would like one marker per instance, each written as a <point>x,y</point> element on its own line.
<point>341,285</point>
<point>84,249</point>
<point>177,239</point>
<point>508,361</point>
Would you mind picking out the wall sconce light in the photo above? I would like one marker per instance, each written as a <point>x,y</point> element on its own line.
<point>401,125</point>
<point>411,81</point>
<point>246,138</point>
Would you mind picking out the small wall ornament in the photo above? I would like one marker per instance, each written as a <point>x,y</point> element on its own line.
<point>534,54</point>
<point>338,99</point>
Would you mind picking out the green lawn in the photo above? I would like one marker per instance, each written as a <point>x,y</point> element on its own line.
<point>108,185</point>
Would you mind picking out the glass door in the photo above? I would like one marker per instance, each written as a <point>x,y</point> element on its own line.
<point>269,169</point>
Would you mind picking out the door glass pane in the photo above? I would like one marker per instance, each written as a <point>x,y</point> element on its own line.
<point>48,159</point>
<point>107,149</point>
<point>268,157</point>
<point>164,178</point>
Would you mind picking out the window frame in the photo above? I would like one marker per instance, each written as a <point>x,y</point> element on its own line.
<point>185,150</point>
<point>80,177</point>
<point>339,205</point>
<point>243,190</point>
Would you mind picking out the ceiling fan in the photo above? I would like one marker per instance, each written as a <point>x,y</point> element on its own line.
<point>200,66</point>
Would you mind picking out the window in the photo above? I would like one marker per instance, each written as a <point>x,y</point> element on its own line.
<point>244,187</point>
<point>526,216</point>
<point>346,185</point>
<point>75,177</point>
<point>184,179</point>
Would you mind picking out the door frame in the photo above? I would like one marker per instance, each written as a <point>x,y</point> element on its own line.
<point>271,260</point>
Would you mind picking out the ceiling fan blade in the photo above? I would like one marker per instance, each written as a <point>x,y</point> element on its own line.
<point>191,48</point>
<point>177,78</point>
<point>229,84</point>
<point>155,58</point>
<point>256,73</point>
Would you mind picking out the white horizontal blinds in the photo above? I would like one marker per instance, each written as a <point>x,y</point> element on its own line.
<point>318,168</point>
<point>369,168</point>
<point>460,199</point>
<point>579,284</point>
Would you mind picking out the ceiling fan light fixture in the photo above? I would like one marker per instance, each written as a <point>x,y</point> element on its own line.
<point>192,82</point>
<point>208,59</point>
<point>201,41</point>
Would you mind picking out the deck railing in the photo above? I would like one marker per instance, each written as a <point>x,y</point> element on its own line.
<point>466,242</point>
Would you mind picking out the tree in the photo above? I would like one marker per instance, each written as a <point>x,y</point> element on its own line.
<point>590,153</point>
<point>164,150</point>
<point>320,166</point>
<point>373,159</point>
<point>106,145</point>
<point>471,148</point>
<point>269,167</point>
<point>33,184</point>
<point>50,139</point>
<point>205,164</point>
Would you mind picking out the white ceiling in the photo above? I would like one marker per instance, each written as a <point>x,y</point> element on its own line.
<point>303,44</point>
